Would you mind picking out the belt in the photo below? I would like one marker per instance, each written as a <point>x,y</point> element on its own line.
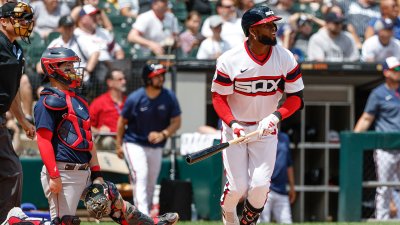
<point>247,123</point>
<point>76,166</point>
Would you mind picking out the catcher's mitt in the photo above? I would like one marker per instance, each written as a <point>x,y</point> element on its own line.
<point>97,201</point>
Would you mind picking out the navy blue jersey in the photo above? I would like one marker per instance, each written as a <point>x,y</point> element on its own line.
<point>145,115</point>
<point>384,104</point>
<point>279,178</point>
<point>51,119</point>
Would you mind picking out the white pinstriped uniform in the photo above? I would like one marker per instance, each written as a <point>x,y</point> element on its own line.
<point>254,90</point>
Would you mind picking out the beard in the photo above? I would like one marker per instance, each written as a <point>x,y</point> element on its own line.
<point>266,40</point>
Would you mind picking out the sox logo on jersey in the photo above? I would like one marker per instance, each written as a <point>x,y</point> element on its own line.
<point>255,86</point>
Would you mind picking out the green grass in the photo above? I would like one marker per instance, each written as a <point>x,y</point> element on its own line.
<point>220,223</point>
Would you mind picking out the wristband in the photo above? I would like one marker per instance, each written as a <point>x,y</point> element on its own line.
<point>95,174</point>
<point>232,122</point>
<point>95,168</point>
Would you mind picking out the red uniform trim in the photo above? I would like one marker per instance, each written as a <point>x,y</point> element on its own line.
<point>255,59</point>
<point>290,106</point>
<point>46,150</point>
<point>222,108</point>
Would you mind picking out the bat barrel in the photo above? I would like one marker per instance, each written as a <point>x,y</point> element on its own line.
<point>205,153</point>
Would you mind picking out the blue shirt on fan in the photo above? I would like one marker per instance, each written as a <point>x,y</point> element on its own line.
<point>145,115</point>
<point>279,178</point>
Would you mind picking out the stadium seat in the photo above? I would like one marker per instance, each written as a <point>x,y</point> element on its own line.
<point>52,35</point>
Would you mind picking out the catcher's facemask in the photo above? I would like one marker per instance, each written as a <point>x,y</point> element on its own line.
<point>97,201</point>
<point>64,66</point>
<point>22,20</point>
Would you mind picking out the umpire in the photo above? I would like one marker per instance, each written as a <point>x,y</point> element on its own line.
<point>16,20</point>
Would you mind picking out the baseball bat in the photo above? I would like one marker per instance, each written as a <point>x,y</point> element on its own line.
<point>210,151</point>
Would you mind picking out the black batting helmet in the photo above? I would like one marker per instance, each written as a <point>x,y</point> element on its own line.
<point>257,15</point>
<point>152,70</point>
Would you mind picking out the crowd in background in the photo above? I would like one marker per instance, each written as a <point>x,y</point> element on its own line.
<point>108,30</point>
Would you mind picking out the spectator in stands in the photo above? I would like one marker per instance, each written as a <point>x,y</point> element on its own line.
<point>105,109</point>
<point>389,9</point>
<point>243,6</point>
<point>279,199</point>
<point>383,110</point>
<point>382,45</point>
<point>150,116</point>
<point>102,19</point>
<point>335,8</point>
<point>191,38</point>
<point>283,8</point>
<point>359,13</point>
<point>156,31</point>
<point>89,29</point>
<point>298,33</point>
<point>47,14</point>
<point>231,27</point>
<point>212,47</point>
<point>203,7</point>
<point>132,8</point>
<point>331,43</point>
<point>87,51</point>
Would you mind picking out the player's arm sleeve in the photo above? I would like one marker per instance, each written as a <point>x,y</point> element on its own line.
<point>372,105</point>
<point>128,109</point>
<point>222,108</point>
<point>46,150</point>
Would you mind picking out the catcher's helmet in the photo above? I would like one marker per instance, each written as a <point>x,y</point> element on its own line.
<point>152,70</point>
<point>21,17</point>
<point>71,74</point>
<point>257,15</point>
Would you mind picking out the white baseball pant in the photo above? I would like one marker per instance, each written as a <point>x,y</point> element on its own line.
<point>144,164</point>
<point>387,169</point>
<point>248,170</point>
<point>73,184</point>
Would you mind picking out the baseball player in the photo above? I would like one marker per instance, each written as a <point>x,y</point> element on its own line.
<point>248,84</point>
<point>151,115</point>
<point>16,21</point>
<point>64,136</point>
<point>383,110</point>
<point>100,200</point>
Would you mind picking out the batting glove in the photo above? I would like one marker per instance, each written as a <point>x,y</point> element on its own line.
<point>238,130</point>
<point>268,125</point>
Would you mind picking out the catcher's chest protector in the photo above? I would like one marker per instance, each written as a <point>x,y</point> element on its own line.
<point>74,128</point>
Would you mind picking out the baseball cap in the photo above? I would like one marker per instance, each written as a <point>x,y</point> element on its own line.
<point>303,19</point>
<point>391,63</point>
<point>66,21</point>
<point>215,21</point>
<point>7,9</point>
<point>383,24</point>
<point>88,9</point>
<point>332,17</point>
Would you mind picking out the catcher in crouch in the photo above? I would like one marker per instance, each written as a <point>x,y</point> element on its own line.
<point>65,143</point>
<point>100,200</point>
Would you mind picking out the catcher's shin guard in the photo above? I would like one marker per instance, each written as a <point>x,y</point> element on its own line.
<point>250,214</point>
<point>134,217</point>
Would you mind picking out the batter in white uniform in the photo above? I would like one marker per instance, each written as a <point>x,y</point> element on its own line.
<point>248,84</point>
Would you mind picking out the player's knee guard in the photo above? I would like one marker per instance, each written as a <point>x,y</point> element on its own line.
<point>250,214</point>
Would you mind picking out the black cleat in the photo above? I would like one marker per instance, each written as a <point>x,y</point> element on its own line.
<point>168,219</point>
